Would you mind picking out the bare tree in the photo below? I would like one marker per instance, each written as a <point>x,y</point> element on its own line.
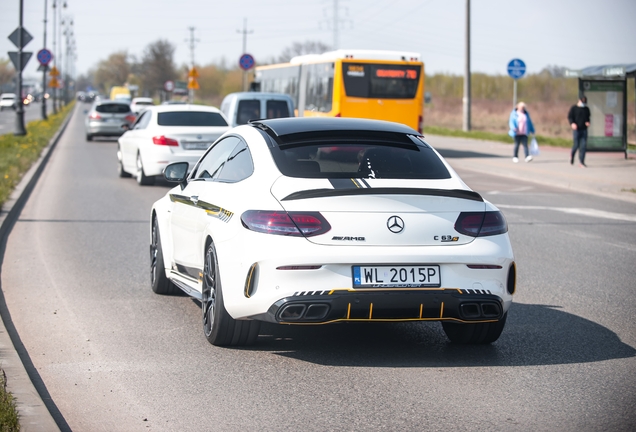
<point>555,71</point>
<point>113,71</point>
<point>157,65</point>
<point>298,48</point>
<point>6,71</point>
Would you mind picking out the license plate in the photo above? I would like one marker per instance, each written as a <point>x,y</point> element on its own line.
<point>113,120</point>
<point>396,276</point>
<point>195,145</point>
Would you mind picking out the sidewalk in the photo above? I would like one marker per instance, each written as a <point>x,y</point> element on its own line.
<point>607,174</point>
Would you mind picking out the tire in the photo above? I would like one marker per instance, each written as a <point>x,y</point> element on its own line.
<point>219,327</point>
<point>474,334</point>
<point>89,137</point>
<point>158,281</point>
<point>120,165</point>
<point>142,178</point>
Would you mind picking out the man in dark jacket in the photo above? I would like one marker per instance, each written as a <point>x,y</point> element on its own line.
<point>579,119</point>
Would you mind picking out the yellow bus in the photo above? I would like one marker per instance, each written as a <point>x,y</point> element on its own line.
<point>383,85</point>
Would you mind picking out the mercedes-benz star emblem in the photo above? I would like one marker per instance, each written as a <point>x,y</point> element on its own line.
<point>395,224</point>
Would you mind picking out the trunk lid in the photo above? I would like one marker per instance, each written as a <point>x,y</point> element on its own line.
<point>382,212</point>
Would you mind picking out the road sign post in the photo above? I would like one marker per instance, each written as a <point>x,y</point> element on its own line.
<point>44,56</point>
<point>516,69</point>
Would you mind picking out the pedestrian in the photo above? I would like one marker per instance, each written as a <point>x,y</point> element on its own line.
<point>579,119</point>
<point>520,127</point>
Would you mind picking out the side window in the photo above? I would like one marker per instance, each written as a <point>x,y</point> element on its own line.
<point>142,122</point>
<point>248,110</point>
<point>238,166</point>
<point>211,165</point>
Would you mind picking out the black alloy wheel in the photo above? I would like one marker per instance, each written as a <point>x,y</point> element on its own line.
<point>158,281</point>
<point>218,326</point>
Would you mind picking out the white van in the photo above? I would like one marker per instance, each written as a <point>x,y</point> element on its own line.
<point>239,108</point>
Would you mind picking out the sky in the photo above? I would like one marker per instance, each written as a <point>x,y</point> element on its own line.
<point>570,33</point>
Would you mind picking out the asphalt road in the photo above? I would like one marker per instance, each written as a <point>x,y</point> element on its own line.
<point>112,355</point>
<point>31,112</point>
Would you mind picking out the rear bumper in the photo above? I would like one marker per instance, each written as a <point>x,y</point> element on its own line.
<point>441,304</point>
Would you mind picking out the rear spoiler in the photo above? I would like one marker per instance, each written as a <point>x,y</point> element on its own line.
<point>322,193</point>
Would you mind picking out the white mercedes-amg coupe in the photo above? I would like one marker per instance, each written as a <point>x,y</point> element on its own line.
<point>326,220</point>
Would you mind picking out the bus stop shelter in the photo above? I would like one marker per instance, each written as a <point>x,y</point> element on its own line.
<point>605,87</point>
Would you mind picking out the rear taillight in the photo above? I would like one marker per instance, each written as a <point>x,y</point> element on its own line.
<point>285,223</point>
<point>481,224</point>
<point>162,140</point>
<point>338,115</point>
<point>95,116</point>
<point>130,118</point>
<point>420,126</point>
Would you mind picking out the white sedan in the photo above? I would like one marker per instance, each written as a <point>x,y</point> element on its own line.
<point>323,220</point>
<point>166,134</point>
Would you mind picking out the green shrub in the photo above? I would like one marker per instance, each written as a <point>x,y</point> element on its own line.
<point>9,419</point>
<point>17,153</point>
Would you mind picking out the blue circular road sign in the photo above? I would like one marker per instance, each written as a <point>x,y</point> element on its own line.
<point>246,62</point>
<point>44,56</point>
<point>516,68</point>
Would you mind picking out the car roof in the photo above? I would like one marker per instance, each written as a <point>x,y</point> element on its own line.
<point>286,129</point>
<point>183,107</point>
<point>9,95</point>
<point>258,95</point>
<point>142,99</point>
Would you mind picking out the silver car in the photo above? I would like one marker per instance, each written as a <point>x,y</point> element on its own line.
<point>108,118</point>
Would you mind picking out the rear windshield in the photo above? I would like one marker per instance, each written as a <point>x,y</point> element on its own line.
<point>248,110</point>
<point>381,81</point>
<point>114,108</point>
<point>360,160</point>
<point>143,103</point>
<point>277,109</point>
<point>190,118</point>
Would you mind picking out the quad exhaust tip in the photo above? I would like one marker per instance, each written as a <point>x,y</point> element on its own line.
<point>480,310</point>
<point>311,312</point>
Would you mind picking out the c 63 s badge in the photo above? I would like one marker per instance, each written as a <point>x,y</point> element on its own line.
<point>446,238</point>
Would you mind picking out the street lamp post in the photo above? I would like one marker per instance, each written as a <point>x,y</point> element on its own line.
<point>19,111</point>
<point>44,117</point>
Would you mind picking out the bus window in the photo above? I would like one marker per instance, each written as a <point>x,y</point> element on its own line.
<point>381,81</point>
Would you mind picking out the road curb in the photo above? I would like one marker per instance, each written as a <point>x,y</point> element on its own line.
<point>35,414</point>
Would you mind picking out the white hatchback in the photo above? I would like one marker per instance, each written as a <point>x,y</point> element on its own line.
<point>165,134</point>
<point>305,221</point>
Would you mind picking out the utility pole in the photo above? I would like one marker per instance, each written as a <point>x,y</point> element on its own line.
<point>192,44</point>
<point>466,100</point>
<point>44,117</point>
<point>19,111</point>
<point>245,33</point>
<point>336,24</point>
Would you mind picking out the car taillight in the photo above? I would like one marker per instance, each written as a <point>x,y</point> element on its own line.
<point>285,223</point>
<point>95,116</point>
<point>481,224</point>
<point>420,126</point>
<point>130,118</point>
<point>162,140</point>
<point>338,115</point>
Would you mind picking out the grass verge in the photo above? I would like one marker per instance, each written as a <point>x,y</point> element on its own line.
<point>9,419</point>
<point>490,136</point>
<point>17,153</point>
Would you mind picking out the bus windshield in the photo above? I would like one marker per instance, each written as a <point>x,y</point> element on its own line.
<point>381,81</point>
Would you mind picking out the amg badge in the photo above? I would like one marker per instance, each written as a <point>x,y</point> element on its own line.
<point>347,238</point>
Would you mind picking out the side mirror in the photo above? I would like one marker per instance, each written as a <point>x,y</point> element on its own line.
<point>176,172</point>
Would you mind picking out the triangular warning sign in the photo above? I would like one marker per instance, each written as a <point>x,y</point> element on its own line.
<point>54,83</point>
<point>194,73</point>
<point>193,84</point>
<point>54,72</point>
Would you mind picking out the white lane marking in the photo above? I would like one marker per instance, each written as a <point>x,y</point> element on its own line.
<point>579,211</point>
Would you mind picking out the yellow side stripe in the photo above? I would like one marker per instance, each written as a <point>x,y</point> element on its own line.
<point>441,311</point>
<point>421,310</point>
<point>371,311</point>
